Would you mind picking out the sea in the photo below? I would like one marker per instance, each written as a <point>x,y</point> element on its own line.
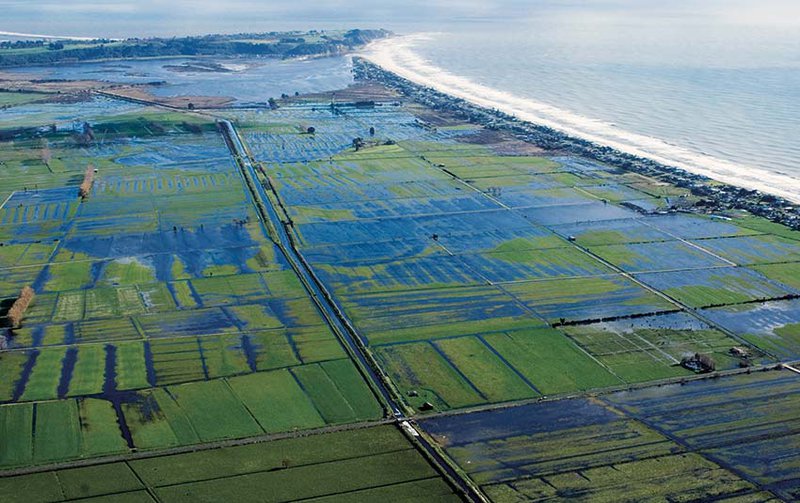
<point>712,86</point>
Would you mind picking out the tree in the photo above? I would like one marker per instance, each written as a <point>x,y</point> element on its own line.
<point>192,128</point>
<point>88,131</point>
<point>358,143</point>
<point>85,136</point>
<point>372,131</point>
<point>190,106</point>
<point>699,362</point>
<point>272,103</point>
<point>46,153</point>
<point>311,130</point>
<point>17,311</point>
<point>88,179</point>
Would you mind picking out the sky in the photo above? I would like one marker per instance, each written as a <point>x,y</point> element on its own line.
<point>182,17</point>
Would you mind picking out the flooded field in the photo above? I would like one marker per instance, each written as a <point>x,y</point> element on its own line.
<point>454,261</point>
<point>361,258</point>
<point>735,436</point>
<point>245,80</point>
<point>164,313</point>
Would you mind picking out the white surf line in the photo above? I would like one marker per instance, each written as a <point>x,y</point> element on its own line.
<point>396,55</point>
<point>47,37</point>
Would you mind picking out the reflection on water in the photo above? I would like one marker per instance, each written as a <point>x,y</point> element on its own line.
<point>248,80</point>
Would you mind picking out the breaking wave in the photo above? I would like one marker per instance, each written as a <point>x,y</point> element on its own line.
<point>40,36</point>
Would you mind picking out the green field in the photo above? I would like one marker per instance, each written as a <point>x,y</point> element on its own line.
<point>364,464</point>
<point>651,347</point>
<point>788,274</point>
<point>550,361</point>
<point>176,351</point>
<point>12,99</point>
<point>249,405</point>
<point>494,367</point>
<point>164,315</point>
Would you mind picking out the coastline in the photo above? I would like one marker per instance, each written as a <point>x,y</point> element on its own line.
<point>718,197</point>
<point>46,37</point>
<point>396,56</point>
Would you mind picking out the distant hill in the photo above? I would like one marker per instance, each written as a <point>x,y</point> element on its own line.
<point>273,44</point>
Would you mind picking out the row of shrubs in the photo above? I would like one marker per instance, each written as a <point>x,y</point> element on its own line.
<point>17,311</point>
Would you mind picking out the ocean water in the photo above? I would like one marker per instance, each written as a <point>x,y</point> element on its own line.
<point>710,86</point>
<point>727,98</point>
<point>722,105</point>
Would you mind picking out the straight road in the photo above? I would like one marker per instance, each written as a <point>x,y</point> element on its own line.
<point>334,316</point>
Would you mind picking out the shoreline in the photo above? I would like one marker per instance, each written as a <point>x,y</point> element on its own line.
<point>38,36</point>
<point>395,56</point>
<point>719,196</point>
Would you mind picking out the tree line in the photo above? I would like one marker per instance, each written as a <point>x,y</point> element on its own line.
<point>210,45</point>
<point>17,311</point>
